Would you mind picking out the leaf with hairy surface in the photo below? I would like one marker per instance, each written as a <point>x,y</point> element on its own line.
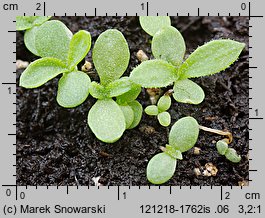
<point>184,134</point>
<point>106,120</point>
<point>41,71</point>
<point>211,58</point>
<point>161,168</point>
<point>73,89</point>
<point>154,73</point>
<point>110,55</point>
<point>152,24</point>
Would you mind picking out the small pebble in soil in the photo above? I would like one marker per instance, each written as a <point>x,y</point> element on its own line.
<point>211,118</point>
<point>243,183</point>
<point>141,56</point>
<point>196,150</point>
<point>210,170</point>
<point>104,154</point>
<point>21,64</point>
<point>197,171</point>
<point>86,67</point>
<point>96,181</point>
<point>154,94</point>
<point>147,129</point>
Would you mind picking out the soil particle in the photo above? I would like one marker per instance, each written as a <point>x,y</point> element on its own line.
<point>56,147</point>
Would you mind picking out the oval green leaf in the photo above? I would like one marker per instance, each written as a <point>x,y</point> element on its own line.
<point>222,147</point>
<point>106,120</point>
<point>169,45</point>
<point>164,118</point>
<point>184,134</point>
<point>41,71</point>
<point>27,22</point>
<point>164,103</point>
<point>187,91</point>
<point>161,168</point>
<point>52,40</point>
<point>118,87</point>
<point>29,40</point>
<point>73,89</point>
<point>111,55</point>
<point>128,115</point>
<point>211,58</point>
<point>78,48</point>
<point>151,110</point>
<point>232,156</point>
<point>137,111</point>
<point>97,91</point>
<point>154,74</point>
<point>152,24</point>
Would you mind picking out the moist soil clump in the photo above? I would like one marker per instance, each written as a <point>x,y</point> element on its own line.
<point>56,147</point>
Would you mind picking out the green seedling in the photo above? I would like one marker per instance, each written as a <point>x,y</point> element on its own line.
<point>160,110</point>
<point>168,67</point>
<point>222,145</point>
<point>182,137</point>
<point>30,24</point>
<point>229,153</point>
<point>108,119</point>
<point>61,52</point>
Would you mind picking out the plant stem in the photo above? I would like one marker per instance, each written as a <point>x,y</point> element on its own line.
<point>219,132</point>
<point>162,148</point>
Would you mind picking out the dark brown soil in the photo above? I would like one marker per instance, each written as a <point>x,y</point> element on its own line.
<point>56,147</point>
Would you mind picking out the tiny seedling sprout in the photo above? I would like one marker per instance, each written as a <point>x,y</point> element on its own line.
<point>160,110</point>
<point>108,119</point>
<point>182,137</point>
<point>61,52</point>
<point>169,66</point>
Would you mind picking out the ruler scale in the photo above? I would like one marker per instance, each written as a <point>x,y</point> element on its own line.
<point>132,201</point>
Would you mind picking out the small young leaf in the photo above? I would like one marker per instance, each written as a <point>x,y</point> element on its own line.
<point>52,40</point>
<point>154,73</point>
<point>106,120</point>
<point>128,115</point>
<point>29,40</point>
<point>118,87</point>
<point>137,111</point>
<point>169,45</point>
<point>41,71</point>
<point>173,152</point>
<point>151,110</point>
<point>231,155</point>
<point>27,22</point>
<point>164,118</point>
<point>221,147</point>
<point>131,95</point>
<point>184,134</point>
<point>110,55</point>
<point>78,48</point>
<point>187,91</point>
<point>152,24</point>
<point>211,58</point>
<point>73,89</point>
<point>98,91</point>
<point>164,103</point>
<point>161,168</point>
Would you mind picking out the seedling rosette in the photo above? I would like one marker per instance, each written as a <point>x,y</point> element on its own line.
<point>169,66</point>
